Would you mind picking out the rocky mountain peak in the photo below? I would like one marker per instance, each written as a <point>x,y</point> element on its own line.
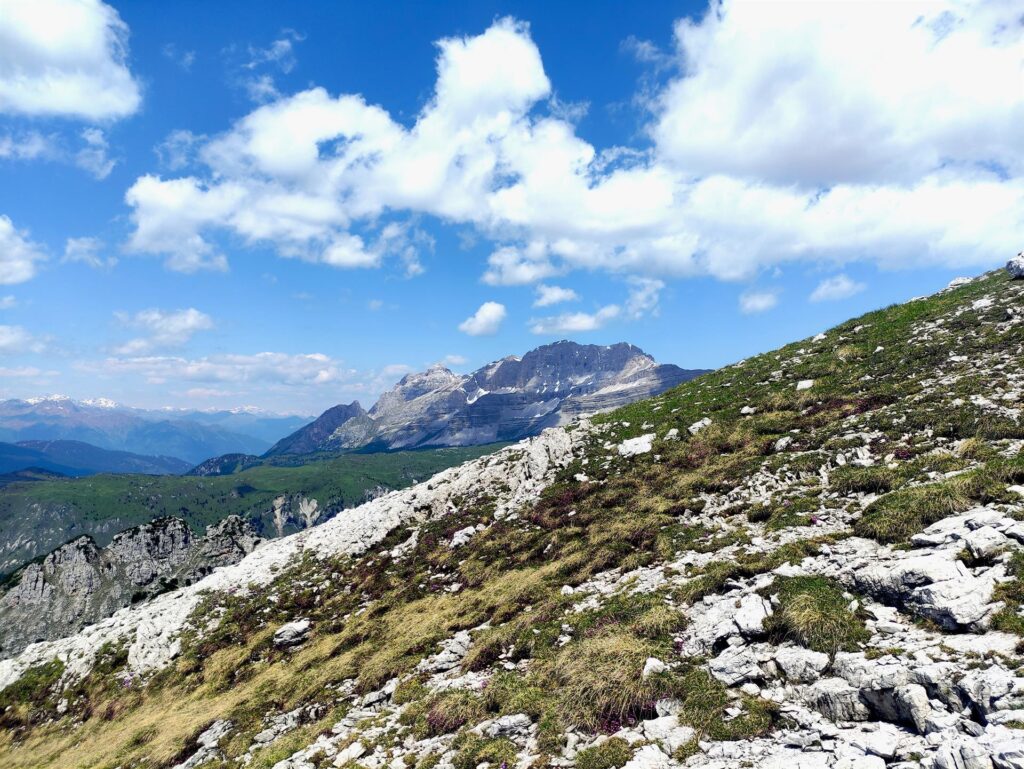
<point>508,399</point>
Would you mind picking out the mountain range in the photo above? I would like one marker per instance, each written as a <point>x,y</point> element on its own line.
<point>506,400</point>
<point>77,458</point>
<point>188,435</point>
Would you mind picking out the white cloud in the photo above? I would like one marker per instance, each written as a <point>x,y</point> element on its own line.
<point>757,301</point>
<point>454,360</point>
<point>8,302</point>
<point>28,146</point>
<point>65,58</point>
<point>485,321</point>
<point>857,149</point>
<point>24,372</point>
<point>820,94</point>
<point>15,339</point>
<point>349,251</point>
<point>261,88</point>
<point>178,149</point>
<point>164,328</point>
<point>575,322</point>
<point>643,296</point>
<point>92,157</point>
<point>514,266</point>
<point>834,288</point>
<point>18,255</point>
<point>87,251</point>
<point>260,368</point>
<point>549,295</point>
<point>183,58</point>
<point>280,52</point>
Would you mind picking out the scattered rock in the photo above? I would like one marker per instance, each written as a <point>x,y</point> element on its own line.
<point>631,447</point>
<point>696,427</point>
<point>653,666</point>
<point>292,634</point>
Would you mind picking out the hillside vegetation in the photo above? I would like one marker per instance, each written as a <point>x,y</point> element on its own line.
<point>37,516</point>
<point>812,558</point>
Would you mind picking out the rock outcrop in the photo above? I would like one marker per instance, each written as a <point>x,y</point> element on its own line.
<point>1016,266</point>
<point>80,583</point>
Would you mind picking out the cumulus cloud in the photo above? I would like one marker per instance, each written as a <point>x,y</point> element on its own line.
<point>754,163</point>
<point>549,295</point>
<point>485,321</point>
<point>845,93</point>
<point>19,256</point>
<point>88,251</point>
<point>575,322</point>
<point>516,266</point>
<point>164,328</point>
<point>65,58</point>
<point>835,288</point>
<point>753,302</point>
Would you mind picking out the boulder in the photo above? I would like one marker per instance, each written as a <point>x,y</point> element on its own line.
<point>736,665</point>
<point>649,757</point>
<point>517,723</point>
<point>292,634</point>
<point>632,447</point>
<point>667,731</point>
<point>696,427</point>
<point>801,665</point>
<point>1016,266</point>
<point>914,706</point>
<point>934,585</point>
<point>835,699</point>
<point>653,666</point>
<point>751,614</point>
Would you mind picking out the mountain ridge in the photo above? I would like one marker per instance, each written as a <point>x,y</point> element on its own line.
<point>189,435</point>
<point>507,399</point>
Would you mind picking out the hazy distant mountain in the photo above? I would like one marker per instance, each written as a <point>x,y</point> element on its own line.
<point>188,435</point>
<point>507,400</point>
<point>77,458</point>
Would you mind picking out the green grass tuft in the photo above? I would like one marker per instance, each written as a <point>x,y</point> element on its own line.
<point>814,613</point>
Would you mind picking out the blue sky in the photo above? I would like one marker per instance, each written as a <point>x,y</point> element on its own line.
<point>291,204</point>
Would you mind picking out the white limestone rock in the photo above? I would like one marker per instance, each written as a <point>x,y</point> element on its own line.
<point>632,447</point>
<point>801,665</point>
<point>696,427</point>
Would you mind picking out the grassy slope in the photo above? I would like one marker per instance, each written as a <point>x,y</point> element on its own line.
<point>375,617</point>
<point>129,500</point>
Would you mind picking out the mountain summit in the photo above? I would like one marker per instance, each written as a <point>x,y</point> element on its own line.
<point>506,400</point>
